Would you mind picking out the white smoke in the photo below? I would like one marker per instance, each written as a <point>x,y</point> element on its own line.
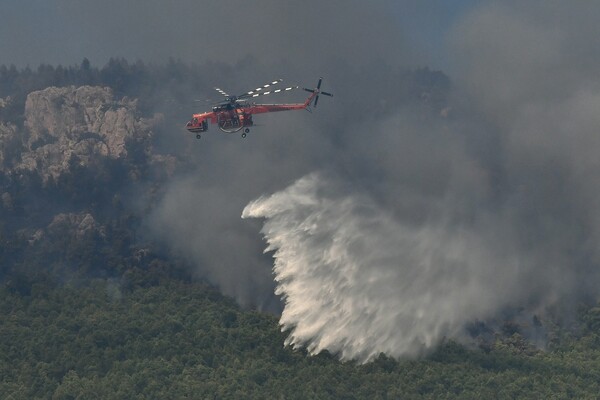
<point>429,222</point>
<point>357,281</point>
<point>431,225</point>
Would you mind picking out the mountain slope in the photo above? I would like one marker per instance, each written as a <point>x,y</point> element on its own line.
<point>178,340</point>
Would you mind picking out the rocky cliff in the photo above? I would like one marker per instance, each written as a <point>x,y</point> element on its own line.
<point>65,168</point>
<point>9,138</point>
<point>71,126</point>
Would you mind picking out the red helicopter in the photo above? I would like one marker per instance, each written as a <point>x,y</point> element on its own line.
<point>235,113</point>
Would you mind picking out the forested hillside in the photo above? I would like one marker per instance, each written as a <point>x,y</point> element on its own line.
<point>92,307</point>
<point>170,339</point>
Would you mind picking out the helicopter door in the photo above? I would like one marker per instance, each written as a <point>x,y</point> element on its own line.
<point>229,121</point>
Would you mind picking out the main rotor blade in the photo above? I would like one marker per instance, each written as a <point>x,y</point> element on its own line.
<point>316,101</point>
<point>327,94</point>
<point>272,91</point>
<point>319,84</point>
<point>261,88</point>
<point>222,92</point>
<point>309,90</point>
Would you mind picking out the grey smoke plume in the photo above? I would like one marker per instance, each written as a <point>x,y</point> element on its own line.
<point>404,226</point>
<point>461,220</point>
<point>438,219</point>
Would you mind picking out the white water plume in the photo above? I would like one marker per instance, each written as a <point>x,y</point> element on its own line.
<point>357,282</point>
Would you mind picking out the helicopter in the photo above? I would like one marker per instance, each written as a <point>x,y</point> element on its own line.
<point>234,114</point>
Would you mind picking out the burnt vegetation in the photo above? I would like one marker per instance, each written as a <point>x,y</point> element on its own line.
<point>91,308</point>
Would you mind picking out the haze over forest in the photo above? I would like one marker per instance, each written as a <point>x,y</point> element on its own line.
<point>447,192</point>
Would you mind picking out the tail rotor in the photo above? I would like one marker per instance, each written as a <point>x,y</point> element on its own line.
<point>318,92</point>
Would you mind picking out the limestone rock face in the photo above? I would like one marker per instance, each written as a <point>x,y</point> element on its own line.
<point>67,159</point>
<point>77,224</point>
<point>8,136</point>
<point>79,125</point>
<point>71,226</point>
<point>4,102</point>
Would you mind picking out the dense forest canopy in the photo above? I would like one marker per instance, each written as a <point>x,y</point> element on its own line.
<point>176,340</point>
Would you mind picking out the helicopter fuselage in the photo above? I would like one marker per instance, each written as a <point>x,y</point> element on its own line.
<point>236,112</point>
<point>236,118</point>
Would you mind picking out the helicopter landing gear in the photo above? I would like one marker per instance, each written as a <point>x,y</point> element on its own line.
<point>245,132</point>
<point>198,136</point>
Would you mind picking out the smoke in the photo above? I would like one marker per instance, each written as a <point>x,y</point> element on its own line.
<point>396,250</point>
<point>402,211</point>
<point>450,222</point>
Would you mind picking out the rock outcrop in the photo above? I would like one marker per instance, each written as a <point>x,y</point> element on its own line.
<point>67,126</point>
<point>77,224</point>
<point>77,149</point>
<point>8,139</point>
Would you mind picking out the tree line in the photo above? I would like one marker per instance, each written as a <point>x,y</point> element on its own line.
<point>112,338</point>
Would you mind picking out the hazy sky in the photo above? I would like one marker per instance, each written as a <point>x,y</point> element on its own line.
<point>66,31</point>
